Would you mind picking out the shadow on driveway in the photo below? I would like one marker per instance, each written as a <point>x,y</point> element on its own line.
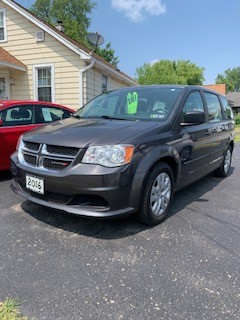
<point>5,175</point>
<point>121,227</point>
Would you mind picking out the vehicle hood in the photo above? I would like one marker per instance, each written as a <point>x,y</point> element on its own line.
<point>85,132</point>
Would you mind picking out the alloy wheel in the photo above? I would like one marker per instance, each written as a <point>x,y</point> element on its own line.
<point>160,194</point>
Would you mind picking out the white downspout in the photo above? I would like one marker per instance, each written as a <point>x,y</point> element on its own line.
<point>81,81</point>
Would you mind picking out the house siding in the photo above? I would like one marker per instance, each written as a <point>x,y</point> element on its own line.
<point>93,83</point>
<point>21,44</point>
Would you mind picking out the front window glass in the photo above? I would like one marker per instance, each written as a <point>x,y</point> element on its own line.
<point>214,107</point>
<point>138,103</point>
<point>193,103</point>
<point>44,84</point>
<point>49,114</point>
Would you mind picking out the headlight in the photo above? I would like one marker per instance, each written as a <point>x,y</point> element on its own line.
<point>109,156</point>
<point>19,148</point>
<point>19,142</point>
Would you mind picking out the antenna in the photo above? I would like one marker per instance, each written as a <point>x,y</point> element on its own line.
<point>95,39</point>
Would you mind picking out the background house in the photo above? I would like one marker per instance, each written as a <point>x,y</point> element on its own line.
<point>37,61</point>
<point>234,101</point>
<point>220,88</point>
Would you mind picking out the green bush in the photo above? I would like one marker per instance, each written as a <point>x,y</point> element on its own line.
<point>237,119</point>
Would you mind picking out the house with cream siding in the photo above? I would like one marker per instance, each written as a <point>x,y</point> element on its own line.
<point>40,62</point>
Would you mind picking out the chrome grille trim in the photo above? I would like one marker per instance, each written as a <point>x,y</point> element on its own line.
<point>37,155</point>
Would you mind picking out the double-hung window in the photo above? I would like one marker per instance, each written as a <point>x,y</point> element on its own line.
<point>104,83</point>
<point>3,28</point>
<point>44,84</point>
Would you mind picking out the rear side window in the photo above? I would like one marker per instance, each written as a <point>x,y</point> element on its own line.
<point>18,116</point>
<point>50,114</point>
<point>227,110</point>
<point>214,107</point>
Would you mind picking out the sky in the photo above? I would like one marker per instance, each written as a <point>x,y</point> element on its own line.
<point>206,32</point>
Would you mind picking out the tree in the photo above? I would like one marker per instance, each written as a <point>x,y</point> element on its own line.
<point>74,15</point>
<point>108,54</point>
<point>231,78</point>
<point>170,72</point>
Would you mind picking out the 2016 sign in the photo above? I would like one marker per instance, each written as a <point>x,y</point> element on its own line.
<point>35,184</point>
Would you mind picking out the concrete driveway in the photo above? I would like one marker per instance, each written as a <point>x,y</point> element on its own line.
<point>68,268</point>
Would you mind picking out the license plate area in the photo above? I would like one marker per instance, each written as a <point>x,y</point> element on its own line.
<point>35,184</point>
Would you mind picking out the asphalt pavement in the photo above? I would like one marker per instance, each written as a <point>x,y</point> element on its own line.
<point>63,267</point>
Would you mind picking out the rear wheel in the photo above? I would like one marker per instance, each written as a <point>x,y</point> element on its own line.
<point>157,195</point>
<point>223,171</point>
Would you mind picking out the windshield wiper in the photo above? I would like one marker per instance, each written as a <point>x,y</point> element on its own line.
<point>76,116</point>
<point>116,118</point>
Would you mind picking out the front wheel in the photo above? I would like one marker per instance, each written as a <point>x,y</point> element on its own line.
<point>224,169</point>
<point>157,195</point>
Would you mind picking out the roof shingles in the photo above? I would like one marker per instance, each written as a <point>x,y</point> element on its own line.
<point>7,58</point>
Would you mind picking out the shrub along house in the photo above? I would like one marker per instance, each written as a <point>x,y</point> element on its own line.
<point>38,61</point>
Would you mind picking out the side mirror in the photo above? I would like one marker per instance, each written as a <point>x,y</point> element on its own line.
<point>1,123</point>
<point>193,117</point>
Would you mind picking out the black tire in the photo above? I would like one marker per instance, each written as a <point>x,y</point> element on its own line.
<point>224,169</point>
<point>157,195</point>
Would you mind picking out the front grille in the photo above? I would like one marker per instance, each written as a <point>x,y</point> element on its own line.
<point>32,146</point>
<point>49,157</point>
<point>30,159</point>
<point>53,164</point>
<point>59,150</point>
<point>88,202</point>
<point>49,196</point>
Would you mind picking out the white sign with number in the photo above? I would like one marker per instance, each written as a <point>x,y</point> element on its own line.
<point>35,184</point>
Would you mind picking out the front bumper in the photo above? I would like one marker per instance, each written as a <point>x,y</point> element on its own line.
<point>86,190</point>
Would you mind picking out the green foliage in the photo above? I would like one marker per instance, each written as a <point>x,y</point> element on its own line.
<point>237,119</point>
<point>9,310</point>
<point>237,133</point>
<point>231,78</point>
<point>42,8</point>
<point>170,72</point>
<point>74,15</point>
<point>108,54</point>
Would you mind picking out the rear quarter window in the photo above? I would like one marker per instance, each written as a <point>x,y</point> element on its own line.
<point>214,107</point>
<point>227,110</point>
<point>17,116</point>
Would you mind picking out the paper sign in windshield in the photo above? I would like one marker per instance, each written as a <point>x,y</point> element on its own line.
<point>132,102</point>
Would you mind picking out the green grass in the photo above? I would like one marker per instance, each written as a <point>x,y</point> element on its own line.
<point>9,310</point>
<point>237,133</point>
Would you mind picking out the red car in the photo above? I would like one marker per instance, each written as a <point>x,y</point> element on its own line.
<point>17,117</point>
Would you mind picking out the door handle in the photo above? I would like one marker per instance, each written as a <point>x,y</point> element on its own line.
<point>210,131</point>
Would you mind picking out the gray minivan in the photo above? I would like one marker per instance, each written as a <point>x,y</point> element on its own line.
<point>126,151</point>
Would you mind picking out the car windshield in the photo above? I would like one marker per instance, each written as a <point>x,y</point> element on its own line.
<point>138,103</point>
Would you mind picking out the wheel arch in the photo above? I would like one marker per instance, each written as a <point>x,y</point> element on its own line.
<point>172,160</point>
<point>231,144</point>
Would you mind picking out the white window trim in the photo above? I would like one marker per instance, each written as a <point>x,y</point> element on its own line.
<point>35,79</point>
<point>4,24</point>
